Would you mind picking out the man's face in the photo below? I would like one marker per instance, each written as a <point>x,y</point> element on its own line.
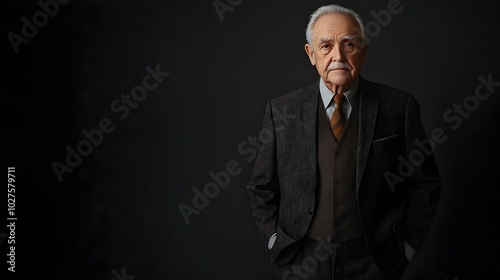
<point>336,50</point>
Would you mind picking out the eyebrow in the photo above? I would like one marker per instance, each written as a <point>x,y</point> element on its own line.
<point>346,37</point>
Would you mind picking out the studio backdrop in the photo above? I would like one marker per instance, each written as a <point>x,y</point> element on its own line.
<point>131,129</point>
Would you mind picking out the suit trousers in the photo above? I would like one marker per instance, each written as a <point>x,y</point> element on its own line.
<point>320,260</point>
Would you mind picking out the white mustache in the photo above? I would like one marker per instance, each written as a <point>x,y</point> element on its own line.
<point>339,65</point>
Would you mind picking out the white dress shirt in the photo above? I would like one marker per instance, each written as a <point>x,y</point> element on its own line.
<point>327,97</point>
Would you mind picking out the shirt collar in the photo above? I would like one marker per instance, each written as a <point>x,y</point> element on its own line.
<point>327,94</point>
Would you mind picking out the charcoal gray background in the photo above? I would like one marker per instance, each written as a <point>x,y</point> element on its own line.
<point>119,207</point>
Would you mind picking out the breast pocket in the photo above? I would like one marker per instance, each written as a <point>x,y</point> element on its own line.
<point>385,139</point>
<point>386,151</point>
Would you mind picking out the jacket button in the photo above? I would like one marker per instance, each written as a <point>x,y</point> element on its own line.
<point>310,211</point>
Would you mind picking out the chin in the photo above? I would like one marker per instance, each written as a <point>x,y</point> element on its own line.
<point>339,80</point>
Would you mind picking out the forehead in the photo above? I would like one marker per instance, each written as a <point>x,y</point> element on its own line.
<point>332,25</point>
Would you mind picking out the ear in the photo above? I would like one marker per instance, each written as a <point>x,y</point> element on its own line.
<point>310,54</point>
<point>364,50</point>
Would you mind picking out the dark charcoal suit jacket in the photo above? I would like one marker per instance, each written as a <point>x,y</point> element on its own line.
<point>393,212</point>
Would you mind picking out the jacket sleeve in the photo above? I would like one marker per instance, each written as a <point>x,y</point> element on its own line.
<point>263,187</point>
<point>424,182</point>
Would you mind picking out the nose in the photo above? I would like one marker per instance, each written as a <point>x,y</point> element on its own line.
<point>337,54</point>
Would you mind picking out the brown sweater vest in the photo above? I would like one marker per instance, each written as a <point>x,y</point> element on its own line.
<point>336,214</point>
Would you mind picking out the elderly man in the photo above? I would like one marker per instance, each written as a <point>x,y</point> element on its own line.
<point>345,186</point>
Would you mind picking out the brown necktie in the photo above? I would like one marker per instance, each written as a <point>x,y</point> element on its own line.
<point>338,120</point>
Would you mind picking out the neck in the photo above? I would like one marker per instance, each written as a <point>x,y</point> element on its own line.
<point>337,89</point>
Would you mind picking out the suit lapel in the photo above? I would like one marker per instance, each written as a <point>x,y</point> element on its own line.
<point>368,107</point>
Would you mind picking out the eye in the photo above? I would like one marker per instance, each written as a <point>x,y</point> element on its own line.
<point>325,46</point>
<point>349,46</point>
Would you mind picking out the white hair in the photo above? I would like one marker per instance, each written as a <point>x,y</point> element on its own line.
<point>333,9</point>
